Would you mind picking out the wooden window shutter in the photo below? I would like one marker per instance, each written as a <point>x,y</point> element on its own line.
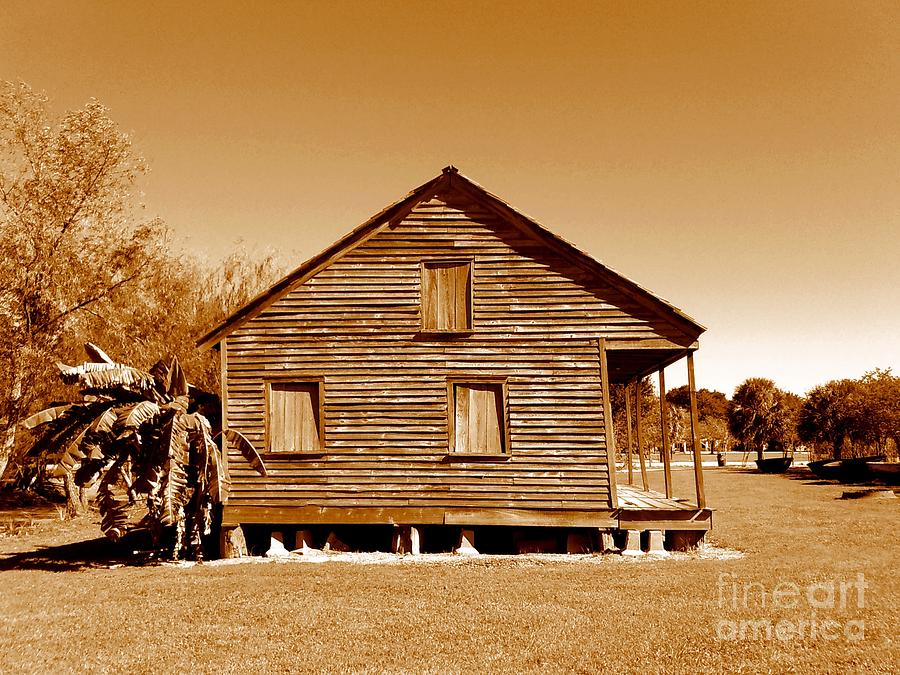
<point>294,417</point>
<point>479,419</point>
<point>446,296</point>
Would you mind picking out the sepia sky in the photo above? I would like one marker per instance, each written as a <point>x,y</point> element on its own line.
<point>740,159</point>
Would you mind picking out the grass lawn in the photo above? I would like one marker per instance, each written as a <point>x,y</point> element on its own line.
<point>483,614</point>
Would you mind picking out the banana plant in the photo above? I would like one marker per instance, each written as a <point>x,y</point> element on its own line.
<point>139,437</point>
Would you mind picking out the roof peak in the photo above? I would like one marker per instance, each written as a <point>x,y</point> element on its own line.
<point>450,169</point>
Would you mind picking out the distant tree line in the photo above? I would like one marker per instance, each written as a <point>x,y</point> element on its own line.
<point>79,261</point>
<point>841,418</point>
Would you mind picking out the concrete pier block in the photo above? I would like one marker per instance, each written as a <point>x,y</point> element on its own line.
<point>232,543</point>
<point>466,544</point>
<point>655,544</point>
<point>606,543</point>
<point>415,540</point>
<point>633,544</point>
<point>303,540</point>
<point>276,546</point>
<point>406,539</point>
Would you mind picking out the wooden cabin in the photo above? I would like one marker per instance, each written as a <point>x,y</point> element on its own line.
<point>446,363</point>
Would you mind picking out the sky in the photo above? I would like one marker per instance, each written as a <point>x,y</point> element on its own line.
<point>741,160</point>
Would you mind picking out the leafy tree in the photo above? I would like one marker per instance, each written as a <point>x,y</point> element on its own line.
<point>880,421</point>
<point>712,413</point>
<point>829,414</point>
<point>791,405</point>
<point>709,403</point>
<point>69,237</point>
<point>142,438</point>
<point>181,297</point>
<point>862,413</point>
<point>649,415</point>
<point>758,416</point>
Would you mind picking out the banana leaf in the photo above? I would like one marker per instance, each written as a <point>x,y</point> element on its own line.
<point>173,494</point>
<point>112,498</point>
<point>138,415</point>
<point>58,433</point>
<point>237,441</point>
<point>95,354</point>
<point>90,469</point>
<point>169,377</point>
<point>174,446</point>
<point>105,423</point>
<point>219,483</point>
<point>71,454</point>
<point>107,375</point>
<point>46,416</point>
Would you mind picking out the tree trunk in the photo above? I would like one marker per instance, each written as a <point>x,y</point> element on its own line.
<point>76,499</point>
<point>12,424</point>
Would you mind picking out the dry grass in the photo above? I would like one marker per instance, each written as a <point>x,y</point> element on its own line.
<point>477,615</point>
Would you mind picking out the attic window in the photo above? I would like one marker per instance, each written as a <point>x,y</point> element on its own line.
<point>447,296</point>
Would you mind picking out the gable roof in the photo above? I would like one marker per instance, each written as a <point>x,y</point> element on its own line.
<point>398,210</point>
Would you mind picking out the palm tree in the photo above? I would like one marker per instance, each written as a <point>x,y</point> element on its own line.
<point>140,437</point>
<point>757,416</point>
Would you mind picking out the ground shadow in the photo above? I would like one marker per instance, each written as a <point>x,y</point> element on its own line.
<point>807,477</point>
<point>801,474</point>
<point>92,553</point>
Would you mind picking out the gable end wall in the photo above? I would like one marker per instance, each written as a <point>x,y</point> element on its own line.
<point>357,325</point>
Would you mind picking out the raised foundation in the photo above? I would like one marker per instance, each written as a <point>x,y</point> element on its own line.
<point>605,541</point>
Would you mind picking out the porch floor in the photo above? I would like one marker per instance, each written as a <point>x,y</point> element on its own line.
<point>650,510</point>
<point>633,497</point>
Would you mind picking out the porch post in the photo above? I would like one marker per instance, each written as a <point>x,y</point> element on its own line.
<point>695,434</point>
<point>628,388</point>
<point>608,426</point>
<point>639,432</point>
<point>664,433</point>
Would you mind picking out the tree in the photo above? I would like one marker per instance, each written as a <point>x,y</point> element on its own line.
<point>862,413</point>
<point>709,403</point>
<point>829,414</point>
<point>142,438</point>
<point>712,412</point>
<point>649,414</point>
<point>69,236</point>
<point>757,416</point>
<point>180,298</point>
<point>880,421</point>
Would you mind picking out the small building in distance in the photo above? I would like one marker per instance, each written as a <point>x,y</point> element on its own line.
<point>446,363</point>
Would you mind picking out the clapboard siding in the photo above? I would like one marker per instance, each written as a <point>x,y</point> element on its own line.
<point>537,317</point>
